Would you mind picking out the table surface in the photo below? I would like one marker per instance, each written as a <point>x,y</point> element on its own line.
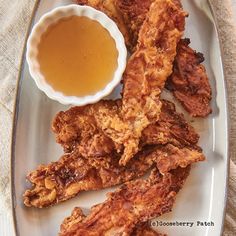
<point>234,9</point>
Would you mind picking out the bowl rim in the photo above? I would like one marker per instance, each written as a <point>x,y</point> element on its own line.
<point>63,12</point>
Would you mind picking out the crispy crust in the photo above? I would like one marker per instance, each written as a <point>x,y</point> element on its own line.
<point>135,202</point>
<point>144,77</point>
<point>79,128</point>
<point>147,70</point>
<point>189,82</point>
<point>77,216</point>
<point>170,128</point>
<point>134,13</point>
<point>66,178</point>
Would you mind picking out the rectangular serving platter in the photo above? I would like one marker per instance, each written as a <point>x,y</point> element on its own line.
<point>203,197</point>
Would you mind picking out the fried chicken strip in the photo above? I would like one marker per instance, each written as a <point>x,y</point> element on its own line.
<point>134,13</point>
<point>135,202</point>
<point>189,82</point>
<point>78,128</point>
<point>144,77</point>
<point>77,216</point>
<point>64,179</point>
<point>147,70</point>
<point>170,128</point>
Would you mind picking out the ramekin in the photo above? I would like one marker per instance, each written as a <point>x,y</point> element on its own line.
<point>52,17</point>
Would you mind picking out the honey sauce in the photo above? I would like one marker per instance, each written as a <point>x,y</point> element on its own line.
<point>77,56</point>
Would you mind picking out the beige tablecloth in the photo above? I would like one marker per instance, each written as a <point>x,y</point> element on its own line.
<point>14,20</point>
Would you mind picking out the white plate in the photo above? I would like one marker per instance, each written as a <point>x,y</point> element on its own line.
<point>204,194</point>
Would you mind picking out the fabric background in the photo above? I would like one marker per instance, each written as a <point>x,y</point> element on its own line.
<point>14,20</point>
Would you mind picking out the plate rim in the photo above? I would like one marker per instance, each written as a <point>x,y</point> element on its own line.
<point>15,118</point>
<point>16,110</point>
<point>226,180</point>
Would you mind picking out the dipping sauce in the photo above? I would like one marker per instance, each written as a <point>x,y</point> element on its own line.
<point>77,56</point>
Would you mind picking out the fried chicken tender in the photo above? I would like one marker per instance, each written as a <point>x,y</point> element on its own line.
<point>134,13</point>
<point>79,128</point>
<point>144,77</point>
<point>189,82</point>
<point>147,70</point>
<point>77,216</point>
<point>135,202</point>
<point>170,128</point>
<point>66,178</point>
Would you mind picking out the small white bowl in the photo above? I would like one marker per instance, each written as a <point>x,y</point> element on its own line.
<point>52,17</point>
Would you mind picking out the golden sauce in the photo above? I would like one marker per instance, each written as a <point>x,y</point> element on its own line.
<point>77,56</point>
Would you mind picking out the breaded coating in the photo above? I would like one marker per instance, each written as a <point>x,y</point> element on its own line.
<point>77,216</point>
<point>134,13</point>
<point>189,82</point>
<point>170,128</point>
<point>79,128</point>
<point>135,202</point>
<point>144,78</point>
<point>66,178</point>
<point>147,70</point>
<point>169,157</point>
